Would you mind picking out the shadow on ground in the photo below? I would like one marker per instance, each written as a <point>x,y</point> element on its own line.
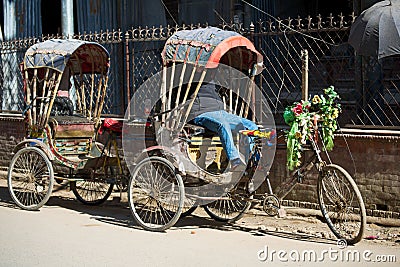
<point>119,214</point>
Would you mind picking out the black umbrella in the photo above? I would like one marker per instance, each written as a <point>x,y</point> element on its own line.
<point>377,30</point>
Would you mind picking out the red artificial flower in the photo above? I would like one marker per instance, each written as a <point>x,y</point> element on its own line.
<point>297,110</point>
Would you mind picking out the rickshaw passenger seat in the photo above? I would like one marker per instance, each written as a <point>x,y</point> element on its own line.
<point>72,135</point>
<point>71,126</point>
<point>62,106</point>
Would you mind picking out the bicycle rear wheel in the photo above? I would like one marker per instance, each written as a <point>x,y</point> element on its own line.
<point>189,206</point>
<point>341,204</point>
<point>227,209</point>
<point>156,194</point>
<point>91,192</point>
<point>30,178</point>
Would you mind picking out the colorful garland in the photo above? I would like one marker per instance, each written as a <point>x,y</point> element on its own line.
<point>300,117</point>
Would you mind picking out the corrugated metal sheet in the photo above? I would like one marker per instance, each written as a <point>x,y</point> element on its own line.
<point>146,13</point>
<point>96,15</point>
<point>22,18</point>
<point>267,6</point>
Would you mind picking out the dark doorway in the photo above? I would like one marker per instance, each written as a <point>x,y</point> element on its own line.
<point>303,8</point>
<point>51,17</point>
<point>325,8</point>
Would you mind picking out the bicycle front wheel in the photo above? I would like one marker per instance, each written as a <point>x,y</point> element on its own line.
<point>341,204</point>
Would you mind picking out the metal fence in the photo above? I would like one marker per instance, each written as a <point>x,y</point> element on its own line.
<point>370,90</point>
<point>12,54</point>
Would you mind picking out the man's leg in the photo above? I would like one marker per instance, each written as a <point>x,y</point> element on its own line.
<point>238,123</point>
<point>248,124</point>
<point>217,122</point>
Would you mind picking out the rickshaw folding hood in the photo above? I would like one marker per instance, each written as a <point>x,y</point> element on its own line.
<point>206,47</point>
<point>86,57</point>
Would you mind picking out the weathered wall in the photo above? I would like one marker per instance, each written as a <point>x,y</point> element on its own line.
<point>12,130</point>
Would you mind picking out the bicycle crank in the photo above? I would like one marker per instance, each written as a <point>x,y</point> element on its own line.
<point>271,205</point>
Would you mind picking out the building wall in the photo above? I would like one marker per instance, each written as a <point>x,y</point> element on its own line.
<point>12,131</point>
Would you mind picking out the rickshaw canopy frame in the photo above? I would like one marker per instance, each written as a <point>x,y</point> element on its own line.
<point>206,47</point>
<point>84,56</point>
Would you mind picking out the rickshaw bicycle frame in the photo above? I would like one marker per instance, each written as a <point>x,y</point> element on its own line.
<point>339,198</point>
<point>158,194</point>
<point>160,190</point>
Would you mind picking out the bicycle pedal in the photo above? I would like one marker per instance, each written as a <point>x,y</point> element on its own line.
<point>250,187</point>
<point>299,176</point>
<point>282,213</point>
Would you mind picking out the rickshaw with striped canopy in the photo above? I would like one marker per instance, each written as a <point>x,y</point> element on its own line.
<point>188,165</point>
<point>65,86</point>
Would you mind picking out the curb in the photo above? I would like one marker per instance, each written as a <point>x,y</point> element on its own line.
<point>391,222</point>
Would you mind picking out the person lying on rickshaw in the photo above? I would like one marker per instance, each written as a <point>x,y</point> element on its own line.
<point>208,111</point>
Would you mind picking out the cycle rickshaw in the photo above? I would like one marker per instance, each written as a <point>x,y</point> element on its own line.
<point>65,84</point>
<point>186,167</point>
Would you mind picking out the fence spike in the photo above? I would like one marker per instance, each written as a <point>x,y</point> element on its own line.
<point>319,23</point>
<point>341,20</point>
<point>353,17</point>
<point>331,24</point>
<point>309,26</point>
<point>279,23</point>
<point>289,19</point>
<point>298,22</point>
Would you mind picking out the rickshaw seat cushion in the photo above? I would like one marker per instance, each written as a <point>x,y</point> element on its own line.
<point>72,127</point>
<point>62,106</point>
<point>111,125</point>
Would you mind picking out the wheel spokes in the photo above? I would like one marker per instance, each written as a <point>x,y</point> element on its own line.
<point>30,178</point>
<point>340,204</point>
<point>154,194</point>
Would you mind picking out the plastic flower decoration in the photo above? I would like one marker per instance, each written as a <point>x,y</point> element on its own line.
<point>300,116</point>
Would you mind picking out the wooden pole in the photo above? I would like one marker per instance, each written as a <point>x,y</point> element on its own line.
<point>203,74</point>
<point>304,78</point>
<point>127,64</point>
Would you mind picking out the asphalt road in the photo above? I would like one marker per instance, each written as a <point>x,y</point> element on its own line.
<point>67,233</point>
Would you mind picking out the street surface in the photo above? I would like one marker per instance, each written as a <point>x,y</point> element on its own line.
<point>67,233</point>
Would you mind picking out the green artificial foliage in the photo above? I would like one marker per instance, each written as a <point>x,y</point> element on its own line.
<point>300,117</point>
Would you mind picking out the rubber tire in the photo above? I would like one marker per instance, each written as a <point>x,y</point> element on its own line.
<point>351,187</point>
<point>40,199</point>
<point>91,184</point>
<point>225,215</point>
<point>188,212</point>
<point>151,197</point>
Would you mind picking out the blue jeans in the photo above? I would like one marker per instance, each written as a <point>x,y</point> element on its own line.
<point>224,123</point>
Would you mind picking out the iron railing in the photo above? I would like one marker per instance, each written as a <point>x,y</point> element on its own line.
<point>369,90</point>
<point>12,54</point>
